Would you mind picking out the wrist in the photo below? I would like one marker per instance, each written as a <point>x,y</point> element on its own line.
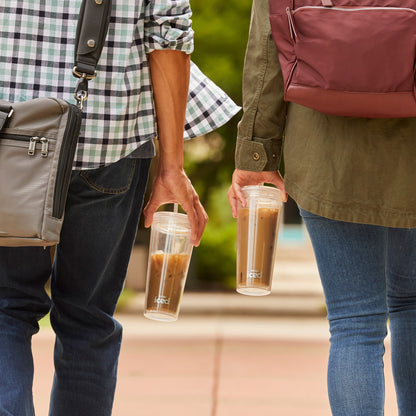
<point>170,160</point>
<point>165,170</point>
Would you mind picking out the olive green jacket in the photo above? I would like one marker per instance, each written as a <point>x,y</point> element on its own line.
<point>349,169</point>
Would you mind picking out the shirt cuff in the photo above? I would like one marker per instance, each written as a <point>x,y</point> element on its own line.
<point>258,155</point>
<point>168,25</point>
<point>171,39</point>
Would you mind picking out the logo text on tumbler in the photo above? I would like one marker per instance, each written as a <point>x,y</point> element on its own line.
<point>254,274</point>
<point>162,300</point>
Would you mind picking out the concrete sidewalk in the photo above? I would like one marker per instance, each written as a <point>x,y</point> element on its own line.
<point>215,366</point>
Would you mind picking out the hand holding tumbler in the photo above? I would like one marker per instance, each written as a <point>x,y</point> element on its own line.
<point>169,257</point>
<point>257,228</point>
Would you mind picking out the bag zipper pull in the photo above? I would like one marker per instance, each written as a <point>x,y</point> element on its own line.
<point>45,146</point>
<point>32,145</point>
<point>292,29</point>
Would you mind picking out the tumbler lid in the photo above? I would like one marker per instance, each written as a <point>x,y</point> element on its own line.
<point>168,221</point>
<point>265,194</point>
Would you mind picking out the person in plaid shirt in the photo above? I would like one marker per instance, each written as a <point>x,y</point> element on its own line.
<point>144,71</point>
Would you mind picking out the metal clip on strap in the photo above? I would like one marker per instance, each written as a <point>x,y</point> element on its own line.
<point>81,91</point>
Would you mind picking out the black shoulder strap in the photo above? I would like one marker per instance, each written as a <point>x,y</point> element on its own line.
<point>93,21</point>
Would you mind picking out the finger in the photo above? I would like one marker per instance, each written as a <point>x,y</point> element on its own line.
<point>202,222</point>
<point>277,180</point>
<point>281,186</point>
<point>148,212</point>
<point>189,208</point>
<point>202,219</point>
<point>239,196</point>
<point>233,201</point>
<point>282,189</point>
<point>196,233</point>
<point>148,219</point>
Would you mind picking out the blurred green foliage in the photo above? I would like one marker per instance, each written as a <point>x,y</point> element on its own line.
<point>216,255</point>
<point>221,31</point>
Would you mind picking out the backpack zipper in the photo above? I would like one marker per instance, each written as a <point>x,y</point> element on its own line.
<point>353,9</point>
<point>32,141</point>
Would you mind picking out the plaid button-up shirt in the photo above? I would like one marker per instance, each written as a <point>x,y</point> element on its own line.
<point>36,59</point>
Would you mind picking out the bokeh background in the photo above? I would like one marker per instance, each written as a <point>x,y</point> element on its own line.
<point>221,32</point>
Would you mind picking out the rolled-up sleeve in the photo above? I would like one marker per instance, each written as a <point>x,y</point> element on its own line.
<point>168,25</point>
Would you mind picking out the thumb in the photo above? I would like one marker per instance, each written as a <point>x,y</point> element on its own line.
<point>148,213</point>
<point>280,184</point>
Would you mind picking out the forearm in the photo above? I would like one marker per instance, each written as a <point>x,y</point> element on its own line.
<point>170,80</point>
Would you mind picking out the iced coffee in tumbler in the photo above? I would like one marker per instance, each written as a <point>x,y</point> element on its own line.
<point>169,256</point>
<point>257,228</point>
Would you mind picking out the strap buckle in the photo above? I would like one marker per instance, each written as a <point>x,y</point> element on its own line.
<point>79,74</point>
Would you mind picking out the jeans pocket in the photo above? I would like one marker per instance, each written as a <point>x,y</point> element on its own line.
<point>112,179</point>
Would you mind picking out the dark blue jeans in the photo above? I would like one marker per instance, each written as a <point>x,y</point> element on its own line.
<point>369,277</point>
<point>87,277</point>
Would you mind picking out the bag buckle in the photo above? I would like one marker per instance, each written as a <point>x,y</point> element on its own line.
<point>79,74</point>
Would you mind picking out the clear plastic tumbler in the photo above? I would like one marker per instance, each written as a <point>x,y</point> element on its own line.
<point>257,229</point>
<point>169,257</point>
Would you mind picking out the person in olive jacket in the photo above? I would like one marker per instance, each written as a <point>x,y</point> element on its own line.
<point>353,180</point>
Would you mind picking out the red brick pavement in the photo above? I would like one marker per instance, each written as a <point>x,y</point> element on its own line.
<point>209,370</point>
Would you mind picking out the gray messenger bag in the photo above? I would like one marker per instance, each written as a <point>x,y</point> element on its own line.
<point>38,139</point>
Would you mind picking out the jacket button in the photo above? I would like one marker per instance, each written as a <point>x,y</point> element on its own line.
<point>256,156</point>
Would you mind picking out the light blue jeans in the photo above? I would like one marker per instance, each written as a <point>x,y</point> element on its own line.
<point>101,217</point>
<point>369,278</point>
